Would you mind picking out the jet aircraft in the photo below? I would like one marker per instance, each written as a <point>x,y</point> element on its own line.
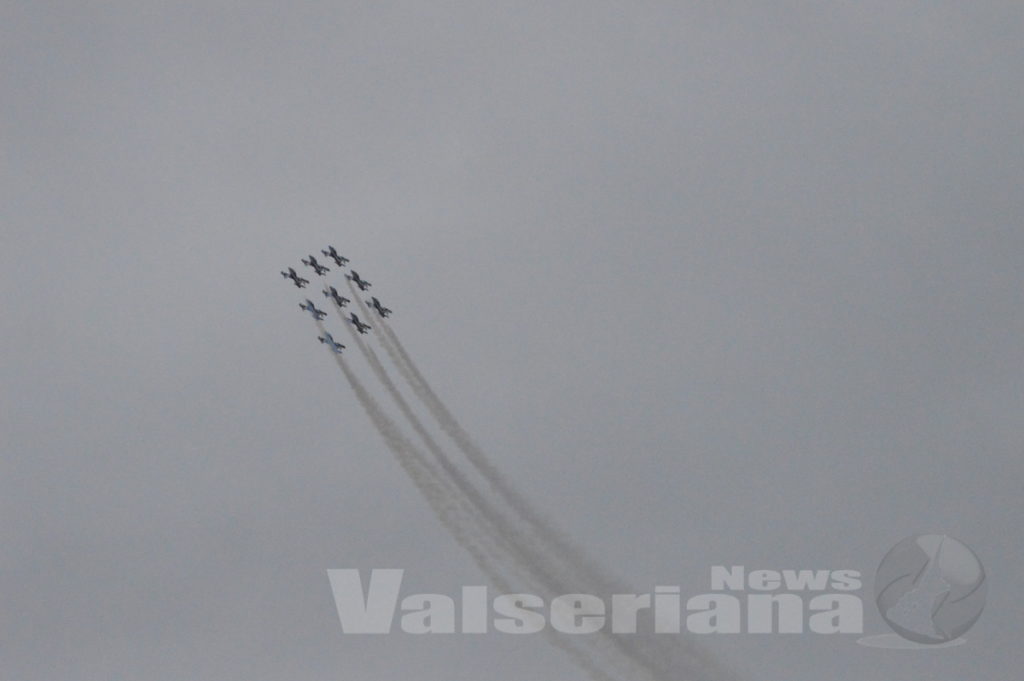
<point>360,326</point>
<point>309,307</point>
<point>355,278</point>
<point>339,300</point>
<point>296,279</point>
<point>317,267</point>
<point>331,343</point>
<point>340,260</point>
<point>381,310</point>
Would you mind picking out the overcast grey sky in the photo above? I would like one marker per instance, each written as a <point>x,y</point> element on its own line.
<point>714,283</point>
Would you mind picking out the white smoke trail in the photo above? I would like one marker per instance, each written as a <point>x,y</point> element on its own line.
<point>560,564</point>
<point>559,561</point>
<point>419,470</point>
<point>569,553</point>
<point>522,556</point>
<point>431,484</point>
<point>505,529</point>
<point>461,491</point>
<point>509,530</point>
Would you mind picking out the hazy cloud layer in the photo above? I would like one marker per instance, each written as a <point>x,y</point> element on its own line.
<point>715,283</point>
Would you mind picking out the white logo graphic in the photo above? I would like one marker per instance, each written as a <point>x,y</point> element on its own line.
<point>930,589</point>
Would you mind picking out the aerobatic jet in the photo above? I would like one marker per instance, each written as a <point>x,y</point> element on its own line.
<point>381,310</point>
<point>309,307</point>
<point>299,281</point>
<point>361,283</point>
<point>331,343</point>
<point>317,267</point>
<point>360,327</point>
<point>339,260</point>
<point>339,300</point>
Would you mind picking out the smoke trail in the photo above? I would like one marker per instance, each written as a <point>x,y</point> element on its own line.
<point>416,467</point>
<point>420,472</point>
<point>534,562</point>
<point>663,658</point>
<point>505,530</point>
<point>563,547</point>
<point>522,557</point>
<point>539,560</point>
<point>463,492</point>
